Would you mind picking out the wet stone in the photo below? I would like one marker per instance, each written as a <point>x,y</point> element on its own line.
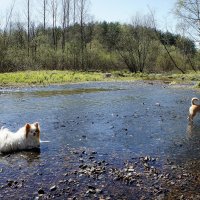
<point>41,191</point>
<point>53,188</point>
<point>91,187</point>
<point>90,191</point>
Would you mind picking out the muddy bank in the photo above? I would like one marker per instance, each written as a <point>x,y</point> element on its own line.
<point>108,141</point>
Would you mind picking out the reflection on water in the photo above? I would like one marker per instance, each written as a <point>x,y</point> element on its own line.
<point>189,130</point>
<point>193,130</point>
<point>49,93</point>
<point>53,92</point>
<point>29,156</point>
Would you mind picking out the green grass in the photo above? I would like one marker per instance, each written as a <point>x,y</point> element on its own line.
<point>62,77</point>
<point>47,77</point>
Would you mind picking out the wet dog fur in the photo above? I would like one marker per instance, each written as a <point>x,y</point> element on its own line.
<point>27,137</point>
<point>194,109</point>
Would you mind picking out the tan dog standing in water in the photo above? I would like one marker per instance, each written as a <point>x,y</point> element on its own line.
<point>194,108</point>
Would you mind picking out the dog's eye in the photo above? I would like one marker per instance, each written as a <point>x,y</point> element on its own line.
<point>35,133</point>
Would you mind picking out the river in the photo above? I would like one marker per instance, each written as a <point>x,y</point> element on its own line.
<point>117,140</point>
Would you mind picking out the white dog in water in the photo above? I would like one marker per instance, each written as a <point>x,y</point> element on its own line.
<point>27,137</point>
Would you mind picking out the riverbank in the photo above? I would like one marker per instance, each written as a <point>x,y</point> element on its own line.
<point>30,78</point>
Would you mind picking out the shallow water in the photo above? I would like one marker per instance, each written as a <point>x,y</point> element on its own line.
<point>117,121</point>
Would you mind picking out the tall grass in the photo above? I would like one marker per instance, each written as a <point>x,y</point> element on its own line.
<point>48,77</point>
<point>61,77</point>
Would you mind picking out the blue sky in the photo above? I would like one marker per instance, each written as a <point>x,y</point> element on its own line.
<point>124,10</point>
<point>116,10</point>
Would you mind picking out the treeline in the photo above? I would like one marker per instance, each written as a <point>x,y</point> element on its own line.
<point>95,46</point>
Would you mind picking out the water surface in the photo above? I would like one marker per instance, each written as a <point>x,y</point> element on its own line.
<point>115,121</point>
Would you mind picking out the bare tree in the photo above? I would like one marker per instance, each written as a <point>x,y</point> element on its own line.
<point>134,46</point>
<point>65,20</point>
<point>44,14</point>
<point>28,25</point>
<point>54,7</point>
<point>33,41</point>
<point>8,22</point>
<point>164,43</point>
<point>143,39</point>
<point>74,12</point>
<point>82,8</point>
<point>187,48</point>
<point>4,42</point>
<point>189,11</point>
<point>9,16</point>
<point>74,31</point>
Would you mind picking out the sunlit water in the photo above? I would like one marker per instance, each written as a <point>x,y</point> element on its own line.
<point>119,121</point>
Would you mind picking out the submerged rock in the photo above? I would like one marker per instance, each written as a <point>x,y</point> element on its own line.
<point>53,188</point>
<point>41,191</point>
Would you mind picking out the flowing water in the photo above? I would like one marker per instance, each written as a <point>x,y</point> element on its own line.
<point>109,122</point>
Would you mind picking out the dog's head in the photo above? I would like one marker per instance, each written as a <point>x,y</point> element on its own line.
<point>32,132</point>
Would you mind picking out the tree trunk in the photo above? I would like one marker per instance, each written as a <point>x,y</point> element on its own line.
<point>44,14</point>
<point>28,26</point>
<point>54,15</point>
<point>74,42</point>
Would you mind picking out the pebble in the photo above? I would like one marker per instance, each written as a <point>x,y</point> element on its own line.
<point>53,188</point>
<point>90,191</point>
<point>41,191</point>
<point>173,167</point>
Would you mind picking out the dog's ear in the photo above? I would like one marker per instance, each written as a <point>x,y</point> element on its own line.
<point>27,129</point>
<point>37,126</point>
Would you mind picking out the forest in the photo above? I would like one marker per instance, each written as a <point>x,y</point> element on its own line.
<point>76,42</point>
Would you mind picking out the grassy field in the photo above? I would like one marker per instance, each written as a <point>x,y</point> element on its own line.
<point>47,77</point>
<point>61,77</point>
